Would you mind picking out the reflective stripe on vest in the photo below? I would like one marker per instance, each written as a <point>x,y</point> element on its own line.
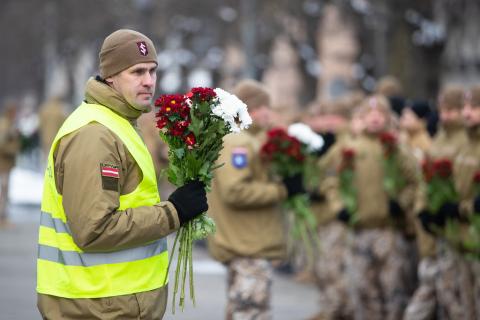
<point>63,269</point>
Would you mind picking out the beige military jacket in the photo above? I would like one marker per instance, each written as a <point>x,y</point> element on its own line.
<point>446,144</point>
<point>9,144</point>
<point>244,202</point>
<point>93,216</point>
<point>372,199</point>
<point>51,117</point>
<point>466,165</point>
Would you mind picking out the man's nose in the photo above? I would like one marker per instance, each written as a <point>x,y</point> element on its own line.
<point>148,80</point>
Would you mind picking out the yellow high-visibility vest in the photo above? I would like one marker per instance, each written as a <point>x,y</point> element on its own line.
<point>63,269</point>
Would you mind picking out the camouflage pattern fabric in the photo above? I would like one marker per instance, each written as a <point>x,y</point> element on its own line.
<point>249,289</point>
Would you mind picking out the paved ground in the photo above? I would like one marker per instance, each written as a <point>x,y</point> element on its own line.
<point>291,301</point>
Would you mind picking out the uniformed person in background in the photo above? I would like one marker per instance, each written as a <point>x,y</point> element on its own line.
<point>377,262</point>
<point>9,148</point>
<point>244,202</point>
<point>413,127</point>
<point>52,114</point>
<point>446,144</point>
<point>457,281</point>
<point>102,248</point>
<point>329,269</point>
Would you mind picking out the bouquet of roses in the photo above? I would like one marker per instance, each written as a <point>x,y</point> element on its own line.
<point>286,155</point>
<point>193,125</point>
<point>440,188</point>
<point>348,192</point>
<point>393,181</point>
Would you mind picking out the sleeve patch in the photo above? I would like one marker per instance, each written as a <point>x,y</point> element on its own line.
<point>239,158</point>
<point>110,175</point>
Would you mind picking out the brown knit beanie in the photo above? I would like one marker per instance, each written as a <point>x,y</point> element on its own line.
<point>252,93</point>
<point>473,96</point>
<point>123,49</point>
<point>451,97</point>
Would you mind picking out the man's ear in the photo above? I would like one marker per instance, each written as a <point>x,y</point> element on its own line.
<point>109,81</point>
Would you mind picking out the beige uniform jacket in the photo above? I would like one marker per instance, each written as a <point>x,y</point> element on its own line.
<point>466,165</point>
<point>244,203</point>
<point>9,144</point>
<point>372,199</point>
<point>321,209</point>
<point>446,144</point>
<point>51,118</point>
<point>93,216</point>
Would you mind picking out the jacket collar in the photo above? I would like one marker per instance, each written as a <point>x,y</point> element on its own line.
<point>98,92</point>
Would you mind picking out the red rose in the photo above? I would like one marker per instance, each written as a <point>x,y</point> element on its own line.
<point>203,94</point>
<point>476,177</point>
<point>348,154</point>
<point>190,139</point>
<point>277,133</point>
<point>443,168</point>
<point>427,169</point>
<point>269,148</point>
<point>388,138</point>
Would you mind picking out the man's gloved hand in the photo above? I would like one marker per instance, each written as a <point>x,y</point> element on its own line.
<point>394,209</point>
<point>476,205</point>
<point>448,210</point>
<point>428,221</point>
<point>343,216</point>
<point>190,200</point>
<point>294,185</point>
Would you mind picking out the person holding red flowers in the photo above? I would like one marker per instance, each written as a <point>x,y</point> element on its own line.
<point>102,250</point>
<point>438,170</point>
<point>244,202</point>
<point>375,201</point>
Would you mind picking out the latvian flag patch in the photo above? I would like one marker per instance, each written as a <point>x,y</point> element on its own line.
<point>109,170</point>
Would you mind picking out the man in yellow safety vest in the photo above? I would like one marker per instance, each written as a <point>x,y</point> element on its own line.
<point>102,250</point>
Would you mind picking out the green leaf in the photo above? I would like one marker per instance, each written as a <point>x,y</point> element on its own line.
<point>180,152</point>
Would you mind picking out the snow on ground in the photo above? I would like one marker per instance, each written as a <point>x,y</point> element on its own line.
<point>26,186</point>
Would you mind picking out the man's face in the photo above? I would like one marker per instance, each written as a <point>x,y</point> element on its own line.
<point>471,115</point>
<point>136,84</point>
<point>262,116</point>
<point>449,115</point>
<point>409,121</point>
<point>375,121</point>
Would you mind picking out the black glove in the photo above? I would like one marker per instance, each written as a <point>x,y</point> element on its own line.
<point>343,216</point>
<point>394,209</point>
<point>476,205</point>
<point>427,220</point>
<point>448,211</point>
<point>294,185</point>
<point>190,200</point>
<point>316,196</point>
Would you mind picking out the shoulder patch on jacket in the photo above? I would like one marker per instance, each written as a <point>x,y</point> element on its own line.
<point>239,158</point>
<point>110,175</point>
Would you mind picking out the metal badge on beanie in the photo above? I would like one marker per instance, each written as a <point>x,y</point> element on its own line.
<point>142,47</point>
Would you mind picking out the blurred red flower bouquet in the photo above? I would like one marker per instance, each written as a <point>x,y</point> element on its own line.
<point>286,156</point>
<point>440,187</point>
<point>193,125</point>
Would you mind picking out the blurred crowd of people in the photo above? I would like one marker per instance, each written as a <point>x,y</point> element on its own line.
<point>383,253</point>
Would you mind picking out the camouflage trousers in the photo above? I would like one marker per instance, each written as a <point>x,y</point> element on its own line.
<point>4,181</point>
<point>455,285</point>
<point>378,271</point>
<point>249,289</point>
<point>423,305</point>
<point>330,272</point>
